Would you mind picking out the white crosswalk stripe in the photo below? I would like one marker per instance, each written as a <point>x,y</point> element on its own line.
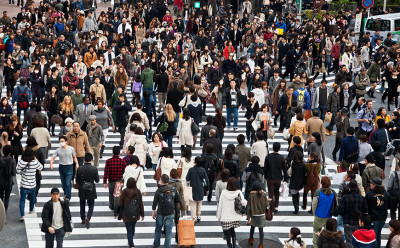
<point>106,231</point>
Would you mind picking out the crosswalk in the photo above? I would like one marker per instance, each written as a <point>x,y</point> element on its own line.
<point>106,231</point>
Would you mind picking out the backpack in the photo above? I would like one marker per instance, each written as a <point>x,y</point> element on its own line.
<point>168,202</point>
<point>251,179</point>
<point>312,179</point>
<point>210,165</point>
<point>22,99</point>
<point>300,98</point>
<point>5,174</point>
<point>132,210</point>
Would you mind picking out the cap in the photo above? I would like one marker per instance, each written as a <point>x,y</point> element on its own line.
<point>55,190</point>
<point>200,67</point>
<point>100,32</point>
<point>92,117</point>
<point>69,119</point>
<point>377,181</point>
<point>344,110</point>
<point>257,68</point>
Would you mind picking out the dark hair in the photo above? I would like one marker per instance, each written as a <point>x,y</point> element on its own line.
<point>7,150</point>
<point>228,154</point>
<point>139,131</point>
<point>315,112</point>
<point>225,174</point>
<point>354,167</point>
<point>174,174</point>
<point>167,152</point>
<point>186,114</point>
<point>366,219</point>
<point>199,161</point>
<point>62,137</point>
<point>351,175</point>
<point>363,138</point>
<point>255,159</point>
<point>38,122</point>
<point>193,98</point>
<point>240,138</point>
<point>260,135</point>
<point>295,235</point>
<point>298,156</point>
<point>381,123</point>
<point>331,225</point>
<point>232,184</point>
<point>116,150</point>
<point>88,157</point>
<point>317,137</point>
<point>164,178</point>
<point>131,183</point>
<point>350,131</point>
<point>395,224</point>
<point>296,140</point>
<point>300,116</point>
<point>134,160</point>
<point>376,146</point>
<point>28,155</point>
<point>276,146</point>
<point>31,142</point>
<point>257,187</point>
<point>186,153</point>
<point>314,157</point>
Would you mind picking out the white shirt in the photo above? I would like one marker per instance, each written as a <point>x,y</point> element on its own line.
<point>57,221</point>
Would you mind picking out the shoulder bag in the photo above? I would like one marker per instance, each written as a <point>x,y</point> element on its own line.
<point>195,128</point>
<point>239,208</point>
<point>395,190</point>
<point>157,175</point>
<point>179,169</point>
<point>163,127</point>
<point>389,146</point>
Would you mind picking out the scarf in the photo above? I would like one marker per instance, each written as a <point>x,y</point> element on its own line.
<point>69,129</point>
<point>92,128</point>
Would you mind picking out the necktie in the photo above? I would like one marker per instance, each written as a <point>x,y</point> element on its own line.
<point>123,28</point>
<point>84,111</point>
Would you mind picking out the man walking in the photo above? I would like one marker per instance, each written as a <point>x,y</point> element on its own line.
<point>83,111</point>
<point>86,176</point>
<point>56,218</point>
<point>165,200</point>
<point>113,172</point>
<point>122,108</point>
<point>348,149</point>
<point>231,99</point>
<point>95,137</point>
<point>79,141</point>
<point>22,95</point>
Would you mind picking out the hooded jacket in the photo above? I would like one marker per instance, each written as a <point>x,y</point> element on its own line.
<point>364,238</point>
<point>167,164</point>
<point>226,207</point>
<point>328,239</point>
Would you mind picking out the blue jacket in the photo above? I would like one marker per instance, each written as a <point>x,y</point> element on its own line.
<point>59,28</point>
<point>281,25</point>
<point>348,146</point>
<point>15,93</point>
<point>380,135</point>
<point>307,98</point>
<point>79,5</point>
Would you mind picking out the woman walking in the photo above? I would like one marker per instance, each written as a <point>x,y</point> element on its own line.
<point>155,148</point>
<point>394,237</point>
<point>50,106</point>
<point>135,170</point>
<point>198,179</point>
<point>14,134</point>
<point>226,214</point>
<point>313,168</point>
<point>138,140</point>
<point>184,129</point>
<point>169,117</point>
<point>185,162</point>
<point>130,193</point>
<point>316,146</point>
<point>257,205</point>
<point>297,173</point>
<point>262,120</point>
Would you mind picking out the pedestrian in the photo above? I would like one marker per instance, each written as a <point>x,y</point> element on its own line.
<point>323,200</point>
<point>86,176</point>
<point>394,237</point>
<point>371,171</point>
<point>167,162</point>
<point>231,100</point>
<point>56,217</point>
<point>67,160</point>
<point>297,173</point>
<point>168,116</point>
<point>262,121</point>
<point>298,128</point>
<point>275,171</point>
<point>315,146</point>
<point>257,205</point>
<point>330,236</point>
<point>40,156</point>
<point>393,184</point>
<point>165,200</point>
<point>42,137</point>
<point>365,235</point>
<point>95,138</point>
<point>229,163</point>
<point>113,172</point>
<point>131,208</point>
<point>78,139</point>
<point>295,240</point>
<point>221,185</point>
<point>227,215</point>
<point>14,135</point>
<point>22,95</point>
<point>348,150</point>
<point>8,171</point>
<point>122,108</point>
<point>104,119</point>
<point>253,173</point>
<point>27,167</point>
<point>260,148</point>
<point>184,130</point>
<point>175,182</point>
<point>313,168</point>
<point>138,140</point>
<point>155,148</point>
<point>135,170</point>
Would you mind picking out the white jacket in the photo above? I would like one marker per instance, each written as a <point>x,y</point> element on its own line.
<point>166,164</point>
<point>260,149</point>
<point>140,144</point>
<point>259,96</point>
<point>226,206</point>
<point>127,26</point>
<point>347,60</point>
<point>185,132</point>
<point>185,168</point>
<point>137,174</point>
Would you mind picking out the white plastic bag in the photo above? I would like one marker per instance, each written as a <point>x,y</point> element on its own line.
<point>285,190</point>
<point>286,134</point>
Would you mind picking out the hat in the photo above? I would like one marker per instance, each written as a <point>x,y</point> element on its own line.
<point>200,67</point>
<point>363,68</point>
<point>353,185</point>
<point>81,12</point>
<point>92,117</point>
<point>257,68</point>
<point>391,63</point>
<point>69,119</point>
<point>100,32</point>
<point>377,181</point>
<point>344,110</point>
<point>55,190</point>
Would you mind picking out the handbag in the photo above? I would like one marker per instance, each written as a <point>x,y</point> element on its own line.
<point>118,189</point>
<point>157,175</point>
<point>270,132</point>
<point>239,208</point>
<point>269,214</point>
<point>188,193</point>
<point>56,119</point>
<point>163,127</point>
<point>195,128</point>
<point>75,185</point>
<point>389,147</point>
<point>286,134</point>
<point>148,161</point>
<point>328,117</point>
<point>212,100</point>
<point>334,211</point>
<point>179,169</point>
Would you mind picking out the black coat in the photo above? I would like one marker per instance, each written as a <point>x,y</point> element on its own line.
<point>283,102</point>
<point>298,177</point>
<point>196,175</point>
<point>231,165</point>
<point>162,82</point>
<point>174,96</point>
<point>195,112</point>
<point>214,75</point>
<point>217,146</point>
<point>275,167</point>
<point>205,133</point>
<point>226,97</point>
<point>122,112</point>
<point>15,140</point>
<point>47,216</point>
<point>87,173</point>
<point>109,87</point>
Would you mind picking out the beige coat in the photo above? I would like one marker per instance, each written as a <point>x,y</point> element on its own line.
<point>140,33</point>
<point>98,90</point>
<point>79,142</point>
<point>140,144</point>
<point>185,132</point>
<point>297,129</point>
<point>315,124</point>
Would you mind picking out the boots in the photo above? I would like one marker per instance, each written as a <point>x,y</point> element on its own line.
<point>101,151</point>
<point>372,94</point>
<point>251,241</point>
<point>260,246</point>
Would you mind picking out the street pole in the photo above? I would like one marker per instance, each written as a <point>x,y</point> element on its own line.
<point>300,9</point>
<point>384,5</point>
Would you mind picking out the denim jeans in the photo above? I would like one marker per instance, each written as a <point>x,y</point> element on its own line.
<point>31,196</point>
<point>66,173</point>
<point>322,109</point>
<point>90,203</point>
<point>11,1</point>
<point>328,61</point>
<point>59,235</point>
<point>148,133</point>
<point>168,139</point>
<point>130,231</point>
<point>19,113</point>
<point>378,225</point>
<point>176,120</point>
<point>5,193</point>
<point>340,225</point>
<point>229,111</point>
<point>168,222</point>
<point>154,166</point>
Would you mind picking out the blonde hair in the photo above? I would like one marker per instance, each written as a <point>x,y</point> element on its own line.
<point>69,108</point>
<point>170,113</point>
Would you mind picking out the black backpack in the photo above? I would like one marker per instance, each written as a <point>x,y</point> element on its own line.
<point>132,210</point>
<point>210,164</point>
<point>22,99</point>
<point>251,179</point>
<point>168,202</point>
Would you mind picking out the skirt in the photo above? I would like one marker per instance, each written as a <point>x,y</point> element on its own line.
<point>24,72</point>
<point>230,224</point>
<point>258,221</point>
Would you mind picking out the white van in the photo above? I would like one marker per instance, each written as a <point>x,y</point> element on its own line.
<point>389,23</point>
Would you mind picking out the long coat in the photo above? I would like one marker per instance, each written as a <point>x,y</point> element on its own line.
<point>140,144</point>
<point>196,175</point>
<point>87,173</point>
<point>185,132</point>
<point>297,129</point>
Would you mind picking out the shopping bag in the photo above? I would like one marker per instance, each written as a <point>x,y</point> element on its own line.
<point>328,117</point>
<point>285,190</point>
<point>118,188</point>
<point>286,134</point>
<point>188,193</point>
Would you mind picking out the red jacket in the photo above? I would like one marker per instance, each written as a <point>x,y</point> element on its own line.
<point>336,51</point>
<point>73,81</point>
<point>169,19</point>
<point>227,50</point>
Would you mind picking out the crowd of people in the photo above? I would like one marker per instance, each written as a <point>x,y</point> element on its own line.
<point>241,58</point>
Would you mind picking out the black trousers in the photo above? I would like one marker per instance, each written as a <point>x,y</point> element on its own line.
<point>82,204</point>
<point>250,133</point>
<point>121,130</point>
<point>395,206</point>
<point>296,201</point>
<point>338,142</point>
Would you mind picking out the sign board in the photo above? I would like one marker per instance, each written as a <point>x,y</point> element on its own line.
<point>197,5</point>
<point>367,3</point>
<point>357,26</point>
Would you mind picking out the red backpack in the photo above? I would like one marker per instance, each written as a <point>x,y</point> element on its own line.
<point>22,99</point>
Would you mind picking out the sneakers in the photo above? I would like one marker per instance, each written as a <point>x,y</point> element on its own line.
<point>22,218</point>
<point>235,129</point>
<point>229,128</point>
<point>32,212</point>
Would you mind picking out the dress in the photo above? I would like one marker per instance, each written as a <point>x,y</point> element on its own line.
<point>185,132</point>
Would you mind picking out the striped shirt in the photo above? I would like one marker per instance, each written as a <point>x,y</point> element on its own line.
<point>28,173</point>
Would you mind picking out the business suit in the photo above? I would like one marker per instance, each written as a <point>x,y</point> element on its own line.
<point>80,116</point>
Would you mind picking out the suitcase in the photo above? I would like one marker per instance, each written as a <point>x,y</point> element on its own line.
<point>186,234</point>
